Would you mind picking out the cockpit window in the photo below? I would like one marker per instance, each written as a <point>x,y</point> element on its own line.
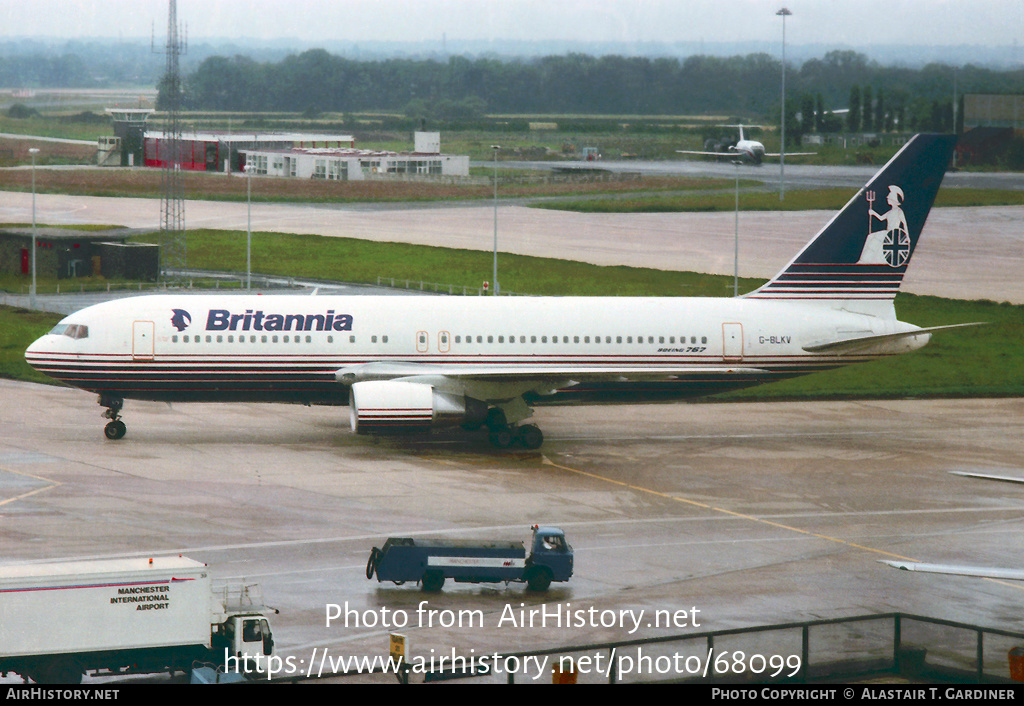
<point>71,330</point>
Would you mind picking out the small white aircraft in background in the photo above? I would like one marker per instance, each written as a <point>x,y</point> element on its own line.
<point>743,151</point>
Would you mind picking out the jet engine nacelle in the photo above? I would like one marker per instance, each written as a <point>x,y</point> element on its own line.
<point>398,407</point>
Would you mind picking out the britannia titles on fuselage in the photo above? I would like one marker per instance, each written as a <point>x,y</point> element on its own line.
<point>224,320</point>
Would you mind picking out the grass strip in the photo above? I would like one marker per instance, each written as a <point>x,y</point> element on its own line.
<point>796,200</point>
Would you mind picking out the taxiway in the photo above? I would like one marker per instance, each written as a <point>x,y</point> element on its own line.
<point>748,514</point>
<point>966,253</point>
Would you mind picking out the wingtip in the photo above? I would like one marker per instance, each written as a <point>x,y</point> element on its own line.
<point>901,565</point>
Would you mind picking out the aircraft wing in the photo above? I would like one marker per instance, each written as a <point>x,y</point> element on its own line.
<point>731,153</point>
<point>507,373</point>
<point>959,570</point>
<point>737,153</point>
<point>504,381</point>
<point>989,476</point>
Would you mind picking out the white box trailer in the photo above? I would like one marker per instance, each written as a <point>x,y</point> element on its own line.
<point>59,621</point>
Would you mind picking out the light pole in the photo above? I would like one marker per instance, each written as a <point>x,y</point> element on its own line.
<point>784,13</point>
<point>32,292</point>
<point>248,226</point>
<point>495,148</point>
<point>736,240</point>
<point>955,107</point>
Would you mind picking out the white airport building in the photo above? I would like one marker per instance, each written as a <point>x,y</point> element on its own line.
<point>351,164</point>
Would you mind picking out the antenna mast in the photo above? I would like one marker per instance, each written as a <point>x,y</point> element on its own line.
<point>172,200</point>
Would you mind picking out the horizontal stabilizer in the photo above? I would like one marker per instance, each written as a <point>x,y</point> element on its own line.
<point>959,570</point>
<point>736,153</point>
<point>848,345</point>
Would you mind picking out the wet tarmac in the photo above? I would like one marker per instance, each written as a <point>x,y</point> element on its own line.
<point>726,515</point>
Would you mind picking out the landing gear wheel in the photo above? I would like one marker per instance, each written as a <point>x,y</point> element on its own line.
<point>495,419</point>
<point>530,436</point>
<point>501,438</point>
<point>115,430</point>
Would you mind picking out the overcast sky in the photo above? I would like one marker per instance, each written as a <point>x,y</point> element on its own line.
<point>848,22</point>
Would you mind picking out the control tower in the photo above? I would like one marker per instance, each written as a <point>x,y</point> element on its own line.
<point>129,137</point>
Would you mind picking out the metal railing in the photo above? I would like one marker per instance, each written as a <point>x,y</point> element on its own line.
<point>882,648</point>
<point>439,287</point>
<point>912,647</point>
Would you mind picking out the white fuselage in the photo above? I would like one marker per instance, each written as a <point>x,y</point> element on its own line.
<point>751,150</point>
<point>289,348</point>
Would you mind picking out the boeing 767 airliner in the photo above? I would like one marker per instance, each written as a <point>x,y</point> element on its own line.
<point>410,364</point>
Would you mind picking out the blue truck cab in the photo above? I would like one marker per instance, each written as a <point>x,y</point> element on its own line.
<point>550,558</point>
<point>430,561</point>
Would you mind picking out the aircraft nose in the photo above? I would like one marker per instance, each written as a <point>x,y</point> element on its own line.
<point>32,352</point>
<point>40,350</point>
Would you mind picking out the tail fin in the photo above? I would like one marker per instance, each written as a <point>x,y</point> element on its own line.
<point>863,252</point>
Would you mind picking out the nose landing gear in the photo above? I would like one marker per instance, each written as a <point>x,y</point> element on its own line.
<point>115,428</point>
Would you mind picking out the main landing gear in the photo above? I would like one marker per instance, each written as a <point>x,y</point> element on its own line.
<point>503,435</point>
<point>115,428</point>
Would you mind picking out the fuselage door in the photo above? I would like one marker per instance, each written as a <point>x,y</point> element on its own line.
<point>142,340</point>
<point>422,341</point>
<point>732,341</point>
<point>443,341</point>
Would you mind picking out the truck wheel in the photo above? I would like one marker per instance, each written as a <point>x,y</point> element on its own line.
<point>60,671</point>
<point>538,579</point>
<point>433,581</point>
<point>371,563</point>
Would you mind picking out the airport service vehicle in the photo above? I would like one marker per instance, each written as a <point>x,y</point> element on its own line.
<point>413,364</point>
<point>59,621</point>
<point>431,561</point>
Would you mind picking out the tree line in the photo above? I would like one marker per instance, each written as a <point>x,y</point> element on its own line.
<point>878,97</point>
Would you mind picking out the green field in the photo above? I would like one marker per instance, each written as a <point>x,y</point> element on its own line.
<point>970,362</point>
<point>796,200</point>
<point>18,328</point>
<point>354,260</point>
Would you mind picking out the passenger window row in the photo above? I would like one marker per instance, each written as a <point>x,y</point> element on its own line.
<point>253,338</point>
<point>469,339</point>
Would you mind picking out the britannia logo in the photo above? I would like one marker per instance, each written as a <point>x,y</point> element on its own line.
<point>180,319</point>
<point>890,245</point>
